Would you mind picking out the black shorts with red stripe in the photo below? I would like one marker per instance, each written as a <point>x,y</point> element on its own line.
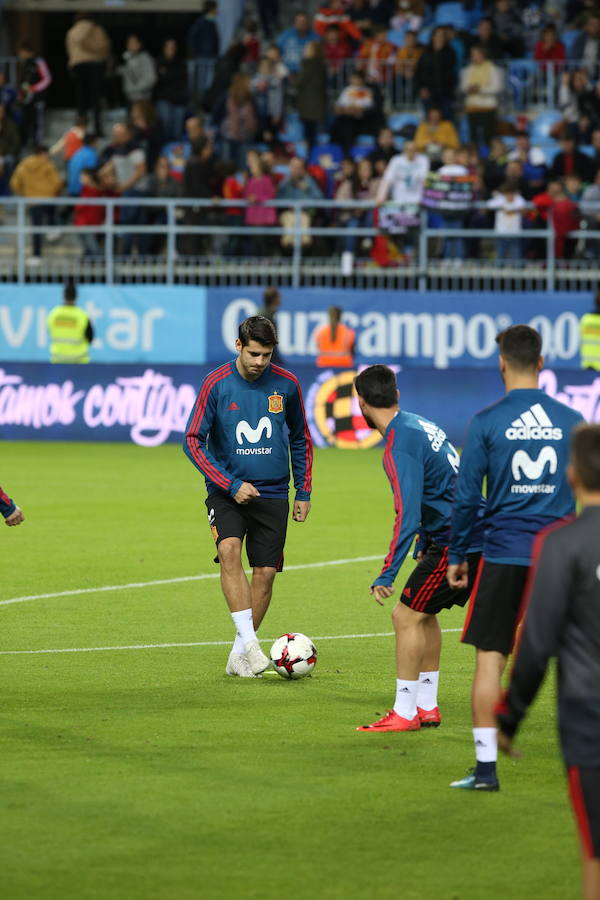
<point>495,607</point>
<point>262,521</point>
<point>584,789</point>
<point>427,590</point>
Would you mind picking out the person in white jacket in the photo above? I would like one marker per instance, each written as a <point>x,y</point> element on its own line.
<point>138,71</point>
<point>481,83</point>
<point>404,177</point>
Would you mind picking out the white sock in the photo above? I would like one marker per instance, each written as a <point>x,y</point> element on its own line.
<point>486,744</point>
<point>238,644</point>
<point>244,625</point>
<point>406,698</point>
<point>428,688</point>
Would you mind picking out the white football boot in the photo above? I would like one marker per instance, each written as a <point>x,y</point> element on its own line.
<point>256,658</point>
<point>237,664</point>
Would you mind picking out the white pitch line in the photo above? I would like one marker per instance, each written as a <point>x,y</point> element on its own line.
<point>183,578</point>
<point>327,637</point>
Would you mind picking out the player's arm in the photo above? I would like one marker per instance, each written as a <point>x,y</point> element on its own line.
<point>301,452</point>
<point>547,608</point>
<point>405,473</point>
<point>467,500</point>
<point>9,509</point>
<point>195,442</point>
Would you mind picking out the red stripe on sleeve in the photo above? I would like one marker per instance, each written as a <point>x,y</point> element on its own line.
<point>199,456</point>
<point>390,468</point>
<point>308,457</point>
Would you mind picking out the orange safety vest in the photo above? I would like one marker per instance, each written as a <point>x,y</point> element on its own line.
<point>335,354</point>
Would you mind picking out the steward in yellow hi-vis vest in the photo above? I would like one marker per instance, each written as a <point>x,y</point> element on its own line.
<point>589,330</point>
<point>70,330</point>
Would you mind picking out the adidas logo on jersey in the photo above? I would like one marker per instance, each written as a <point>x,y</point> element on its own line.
<point>435,434</point>
<point>533,425</point>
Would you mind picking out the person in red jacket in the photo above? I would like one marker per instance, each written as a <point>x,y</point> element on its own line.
<point>336,49</point>
<point>549,49</point>
<point>9,509</point>
<point>555,204</point>
<point>334,13</point>
<point>88,214</point>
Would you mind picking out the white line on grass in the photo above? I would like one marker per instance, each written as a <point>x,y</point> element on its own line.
<point>184,578</point>
<point>327,637</point>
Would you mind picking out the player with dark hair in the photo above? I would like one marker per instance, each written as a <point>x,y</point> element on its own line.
<point>12,514</point>
<point>563,620</point>
<point>521,445</point>
<point>421,465</point>
<point>247,421</point>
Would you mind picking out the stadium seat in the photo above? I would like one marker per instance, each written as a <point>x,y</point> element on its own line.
<point>550,151</point>
<point>300,149</point>
<point>451,14</point>
<point>397,121</point>
<point>520,76</point>
<point>328,156</point>
<point>541,125</point>
<point>568,38</point>
<point>587,149</point>
<point>366,140</point>
<point>359,151</point>
<point>424,35</point>
<point>396,36</point>
<point>293,129</point>
<point>474,14</point>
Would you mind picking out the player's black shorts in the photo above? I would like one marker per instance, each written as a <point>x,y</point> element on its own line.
<point>427,589</point>
<point>584,788</point>
<point>495,607</point>
<point>262,521</point>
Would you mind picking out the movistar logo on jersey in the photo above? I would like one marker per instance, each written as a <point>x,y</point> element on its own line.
<point>245,432</point>
<point>436,435</point>
<point>533,425</point>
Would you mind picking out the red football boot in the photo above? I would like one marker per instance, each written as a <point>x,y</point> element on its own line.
<point>429,718</point>
<point>392,722</point>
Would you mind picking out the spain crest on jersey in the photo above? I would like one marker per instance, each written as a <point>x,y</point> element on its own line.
<point>275,403</point>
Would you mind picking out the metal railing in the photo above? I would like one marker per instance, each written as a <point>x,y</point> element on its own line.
<point>193,241</point>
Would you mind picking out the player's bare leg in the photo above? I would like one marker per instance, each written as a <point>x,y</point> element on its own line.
<point>246,658</point>
<point>261,590</point>
<point>591,879</point>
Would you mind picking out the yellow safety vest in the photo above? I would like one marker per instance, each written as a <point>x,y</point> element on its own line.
<point>67,326</point>
<point>590,341</point>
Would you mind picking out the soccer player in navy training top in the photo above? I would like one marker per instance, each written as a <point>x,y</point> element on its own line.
<point>421,465</point>
<point>563,620</point>
<point>521,445</point>
<point>247,421</point>
<point>10,511</point>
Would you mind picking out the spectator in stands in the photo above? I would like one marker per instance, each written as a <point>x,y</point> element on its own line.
<point>377,56</point>
<point>595,143</point>
<point>453,248</point>
<point>573,187</point>
<point>363,185</point>
<point>232,189</point>
<point>88,51</point>
<point>201,179</point>
<point>71,141</point>
<point>298,185</point>
<point>549,50</point>
<point>514,174</point>
<point>268,89</point>
<point>579,11</point>
<point>404,177</point>
<point>565,218</point>
<point>509,27</point>
<point>292,42</point>
<point>590,203</point>
<point>481,86</point>
<point>312,92</point>
<point>487,38</point>
<point>435,78</point>
<point>334,13</point>
<point>147,131</point>
<point>259,190</point>
<point>85,158</point>
<point>194,130</point>
<point>383,152</point>
<point>434,135</point>
<point>171,91</point>
<point>240,124</point>
<point>360,11</point>
<point>534,164</point>
<point>571,161</point>
<point>268,11</point>
<point>226,67</point>
<point>573,87</point>
<point>336,49</point>
<point>204,45</point>
<point>589,107</point>
<point>8,92</point>
<point>455,41</point>
<point>138,72</point>
<point>352,112</point>
<point>88,214</point>
<point>409,14</point>
<point>251,42</point>
<point>508,205</point>
<point>162,185</point>
<point>34,79</point>
<point>586,49</point>
<point>10,144</point>
<point>495,165</point>
<point>37,176</point>
<point>407,58</point>
<point>124,163</point>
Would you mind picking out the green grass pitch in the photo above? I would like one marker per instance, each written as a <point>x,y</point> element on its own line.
<point>147,774</point>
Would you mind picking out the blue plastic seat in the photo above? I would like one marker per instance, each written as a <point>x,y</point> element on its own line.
<point>541,125</point>
<point>452,14</point>
<point>396,36</point>
<point>359,151</point>
<point>397,121</point>
<point>328,156</point>
<point>569,38</point>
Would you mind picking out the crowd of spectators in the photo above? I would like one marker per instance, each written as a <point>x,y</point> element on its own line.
<point>307,113</point>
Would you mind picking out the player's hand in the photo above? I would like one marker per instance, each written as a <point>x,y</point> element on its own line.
<point>505,744</point>
<point>15,518</point>
<point>458,576</point>
<point>419,555</point>
<point>246,493</point>
<point>381,592</point>
<point>301,510</point>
